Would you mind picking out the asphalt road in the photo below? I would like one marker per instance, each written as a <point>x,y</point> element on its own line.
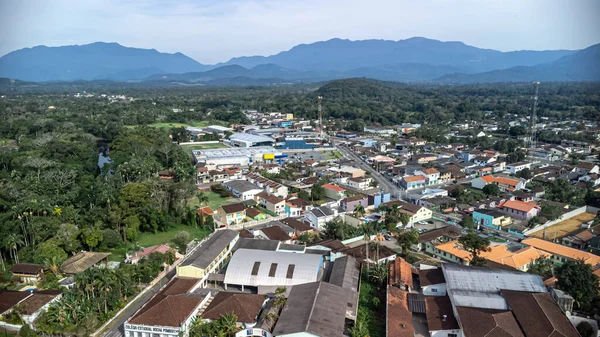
<point>383,181</point>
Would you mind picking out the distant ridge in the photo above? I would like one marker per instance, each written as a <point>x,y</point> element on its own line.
<point>413,60</point>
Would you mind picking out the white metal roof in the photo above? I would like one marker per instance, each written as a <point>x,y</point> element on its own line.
<point>233,152</point>
<point>246,137</point>
<point>490,281</point>
<point>271,268</point>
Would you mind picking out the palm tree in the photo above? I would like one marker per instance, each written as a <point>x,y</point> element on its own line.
<point>359,210</point>
<point>279,302</point>
<point>202,198</point>
<point>105,283</point>
<point>12,243</point>
<point>52,265</point>
<point>359,330</point>
<point>228,324</point>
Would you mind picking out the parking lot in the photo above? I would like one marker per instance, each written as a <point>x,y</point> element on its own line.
<point>308,155</point>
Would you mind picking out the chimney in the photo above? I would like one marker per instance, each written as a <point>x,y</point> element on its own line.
<point>444,318</point>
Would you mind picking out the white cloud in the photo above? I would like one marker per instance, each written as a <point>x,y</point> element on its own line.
<point>214,31</point>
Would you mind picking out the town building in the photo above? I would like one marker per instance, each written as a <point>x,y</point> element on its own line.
<point>82,261</point>
<point>491,218</point>
<point>517,167</point>
<point>413,182</point>
<point>504,184</point>
<point>267,270</point>
<point>560,253</point>
<point>27,272</point>
<point>334,192</point>
<point>272,203</point>
<point>520,210</point>
<point>231,213</point>
<point>250,140</point>
<point>209,257</point>
<point>242,189</point>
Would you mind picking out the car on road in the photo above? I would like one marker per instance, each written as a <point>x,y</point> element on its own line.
<point>387,237</point>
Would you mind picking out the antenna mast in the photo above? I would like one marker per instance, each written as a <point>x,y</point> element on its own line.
<point>532,120</point>
<point>320,109</point>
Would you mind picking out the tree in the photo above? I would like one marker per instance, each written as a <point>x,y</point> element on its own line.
<point>359,210</point>
<point>585,329</point>
<point>202,198</point>
<point>92,236</point>
<point>48,250</point>
<point>404,218</point>
<point>578,280</point>
<point>181,241</point>
<point>27,331</point>
<point>491,189</point>
<point>53,264</point>
<point>68,237</point>
<point>543,267</point>
<point>316,191</point>
<point>181,135</point>
<point>302,194</point>
<point>525,174</point>
<point>407,239</point>
<point>308,238</point>
<point>550,211</point>
<point>467,222</point>
<point>475,245</point>
<point>359,329</point>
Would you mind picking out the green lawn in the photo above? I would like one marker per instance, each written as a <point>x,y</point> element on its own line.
<point>372,315</point>
<point>214,201</point>
<point>150,239</point>
<point>189,148</point>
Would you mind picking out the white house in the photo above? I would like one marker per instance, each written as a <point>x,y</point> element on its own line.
<point>516,167</point>
<point>242,189</point>
<point>319,216</point>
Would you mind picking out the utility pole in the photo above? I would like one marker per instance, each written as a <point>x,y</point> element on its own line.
<point>532,120</point>
<point>320,110</point>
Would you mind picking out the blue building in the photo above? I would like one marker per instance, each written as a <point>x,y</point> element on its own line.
<point>368,142</point>
<point>285,124</point>
<point>296,144</point>
<point>378,199</point>
<point>490,218</point>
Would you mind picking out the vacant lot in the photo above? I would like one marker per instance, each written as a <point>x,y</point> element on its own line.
<point>151,239</point>
<point>214,201</point>
<point>565,227</point>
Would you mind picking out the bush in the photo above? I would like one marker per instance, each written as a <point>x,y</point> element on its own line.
<point>585,329</point>
<point>111,238</point>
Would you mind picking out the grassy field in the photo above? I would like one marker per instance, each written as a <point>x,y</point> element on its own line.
<point>191,147</point>
<point>214,201</point>
<point>372,314</point>
<point>151,239</point>
<point>564,227</point>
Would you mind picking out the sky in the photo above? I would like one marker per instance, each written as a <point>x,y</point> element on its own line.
<point>212,31</point>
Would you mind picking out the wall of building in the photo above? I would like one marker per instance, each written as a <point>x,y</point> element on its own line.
<point>446,333</point>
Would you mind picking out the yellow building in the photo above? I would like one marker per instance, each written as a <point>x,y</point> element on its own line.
<point>209,257</point>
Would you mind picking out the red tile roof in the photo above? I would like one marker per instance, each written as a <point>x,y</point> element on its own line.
<point>333,187</point>
<point>520,205</point>
<point>399,318</point>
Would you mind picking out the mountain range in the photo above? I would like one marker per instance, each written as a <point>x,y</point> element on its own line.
<point>411,60</point>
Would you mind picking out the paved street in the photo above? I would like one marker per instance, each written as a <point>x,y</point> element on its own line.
<point>383,181</point>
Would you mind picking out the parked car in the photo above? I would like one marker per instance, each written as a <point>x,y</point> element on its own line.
<point>387,237</point>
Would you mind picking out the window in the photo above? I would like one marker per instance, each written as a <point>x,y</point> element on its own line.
<point>273,269</point>
<point>433,290</point>
<point>255,268</point>
<point>452,335</point>
<point>290,271</point>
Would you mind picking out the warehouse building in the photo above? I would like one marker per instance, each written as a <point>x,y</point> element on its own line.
<point>266,270</point>
<point>250,140</point>
<point>218,158</point>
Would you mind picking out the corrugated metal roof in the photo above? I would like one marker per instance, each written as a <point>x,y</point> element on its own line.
<point>272,269</point>
<point>416,303</point>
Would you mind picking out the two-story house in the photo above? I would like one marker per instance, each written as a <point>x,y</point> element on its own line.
<point>348,204</point>
<point>231,213</point>
<point>413,182</point>
<point>271,202</point>
<point>334,192</point>
<point>432,175</point>
<point>517,167</point>
<point>361,183</point>
<point>242,189</point>
<point>317,217</point>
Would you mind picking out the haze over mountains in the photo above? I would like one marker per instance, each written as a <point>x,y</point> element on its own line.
<point>411,60</point>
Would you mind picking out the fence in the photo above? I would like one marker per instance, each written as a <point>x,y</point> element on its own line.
<point>253,223</point>
<point>565,216</point>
